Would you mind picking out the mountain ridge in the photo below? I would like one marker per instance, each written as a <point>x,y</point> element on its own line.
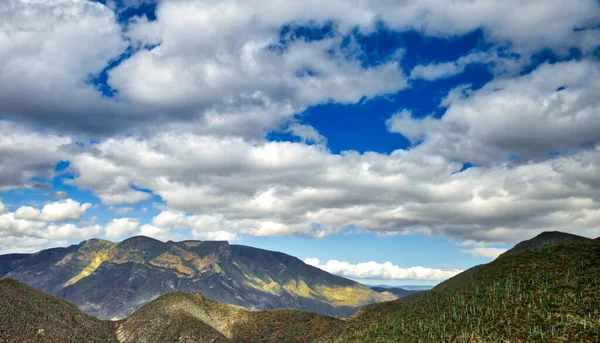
<point>100,276</point>
<point>544,239</point>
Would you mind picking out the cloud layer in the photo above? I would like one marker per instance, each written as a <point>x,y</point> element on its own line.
<point>178,110</point>
<point>381,271</point>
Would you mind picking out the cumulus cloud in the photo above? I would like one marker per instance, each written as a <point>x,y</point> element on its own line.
<point>283,188</point>
<point>60,211</point>
<point>23,235</point>
<point>485,252</point>
<point>48,50</point>
<point>122,227</point>
<point>552,109</point>
<point>25,154</point>
<point>221,65</point>
<point>23,245</point>
<point>2,208</point>
<point>382,271</point>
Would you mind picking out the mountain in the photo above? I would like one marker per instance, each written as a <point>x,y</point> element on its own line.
<point>111,280</point>
<point>549,294</point>
<point>544,239</point>
<point>29,315</point>
<point>178,314</point>
<point>397,291</point>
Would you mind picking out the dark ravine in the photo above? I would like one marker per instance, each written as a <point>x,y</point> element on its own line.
<point>544,294</point>
<point>111,280</point>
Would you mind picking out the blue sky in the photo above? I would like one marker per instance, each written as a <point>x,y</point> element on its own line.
<point>348,135</point>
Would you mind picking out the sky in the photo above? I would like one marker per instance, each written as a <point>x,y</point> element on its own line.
<point>391,142</point>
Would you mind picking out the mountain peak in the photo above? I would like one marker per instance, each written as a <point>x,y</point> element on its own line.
<point>141,239</point>
<point>543,239</point>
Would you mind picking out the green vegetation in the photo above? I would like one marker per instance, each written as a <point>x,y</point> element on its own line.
<point>28,315</point>
<point>176,315</point>
<point>545,295</point>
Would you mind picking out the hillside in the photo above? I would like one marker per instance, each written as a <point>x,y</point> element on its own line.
<point>175,313</point>
<point>111,280</point>
<point>28,315</point>
<point>545,239</point>
<point>548,294</point>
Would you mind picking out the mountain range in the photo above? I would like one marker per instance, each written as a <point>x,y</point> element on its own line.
<point>397,291</point>
<point>541,293</point>
<point>111,280</point>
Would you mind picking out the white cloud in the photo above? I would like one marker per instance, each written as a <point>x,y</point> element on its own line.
<point>307,133</point>
<point>25,154</point>
<point>283,188</point>
<point>219,81</point>
<point>71,232</point>
<point>59,211</point>
<point>382,271</point>
<point>485,252</point>
<point>2,208</point>
<point>555,108</point>
<point>62,210</point>
<point>23,245</point>
<point>27,213</point>
<point>163,234</point>
<point>442,70</point>
<point>218,65</point>
<point>22,235</point>
<point>48,51</point>
<point>122,227</point>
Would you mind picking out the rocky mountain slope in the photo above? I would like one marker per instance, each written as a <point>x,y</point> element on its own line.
<point>547,294</point>
<point>111,280</point>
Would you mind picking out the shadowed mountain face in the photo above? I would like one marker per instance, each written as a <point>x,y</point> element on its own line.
<point>111,280</point>
<point>544,239</point>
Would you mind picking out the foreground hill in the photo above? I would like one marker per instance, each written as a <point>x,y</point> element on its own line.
<point>546,294</point>
<point>178,314</point>
<point>111,280</point>
<point>28,315</point>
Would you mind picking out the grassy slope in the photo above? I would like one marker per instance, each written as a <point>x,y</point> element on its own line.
<point>546,295</point>
<point>215,322</point>
<point>29,315</point>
